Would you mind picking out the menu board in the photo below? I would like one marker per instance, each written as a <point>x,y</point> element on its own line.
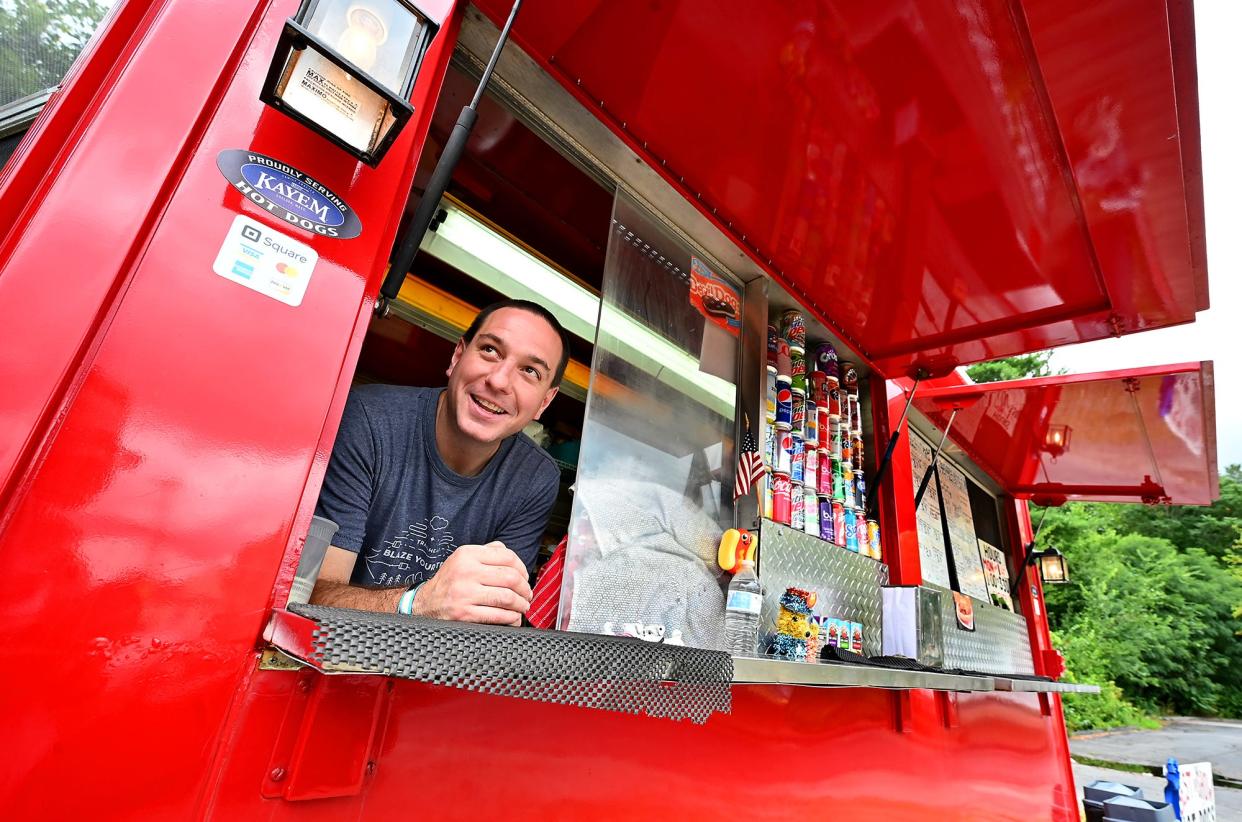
<point>996,574</point>
<point>931,535</point>
<point>966,558</point>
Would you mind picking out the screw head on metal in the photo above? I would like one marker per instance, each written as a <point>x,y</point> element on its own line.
<point>277,774</point>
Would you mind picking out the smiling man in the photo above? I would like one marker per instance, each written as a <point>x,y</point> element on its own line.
<point>440,498</point>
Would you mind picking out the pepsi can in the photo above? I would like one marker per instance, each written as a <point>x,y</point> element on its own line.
<point>784,403</point>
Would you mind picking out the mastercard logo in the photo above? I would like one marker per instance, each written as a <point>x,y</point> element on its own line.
<point>286,269</point>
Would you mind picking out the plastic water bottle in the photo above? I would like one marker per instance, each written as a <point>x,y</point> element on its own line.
<point>742,607</point>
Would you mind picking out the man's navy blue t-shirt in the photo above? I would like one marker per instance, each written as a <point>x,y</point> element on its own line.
<point>404,511</point>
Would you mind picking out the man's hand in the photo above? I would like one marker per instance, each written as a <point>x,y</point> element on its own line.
<point>477,583</point>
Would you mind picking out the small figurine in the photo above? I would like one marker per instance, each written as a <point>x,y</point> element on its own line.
<point>736,546</point>
<point>794,626</point>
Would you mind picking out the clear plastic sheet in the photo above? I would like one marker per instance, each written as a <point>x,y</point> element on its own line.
<point>655,475</point>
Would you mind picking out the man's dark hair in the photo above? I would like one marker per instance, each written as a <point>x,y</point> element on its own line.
<point>539,311</point>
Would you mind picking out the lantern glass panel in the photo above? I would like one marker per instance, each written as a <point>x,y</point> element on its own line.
<point>1052,569</point>
<point>321,91</point>
<point>378,36</point>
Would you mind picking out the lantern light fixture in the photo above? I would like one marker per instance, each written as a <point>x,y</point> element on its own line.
<point>1057,440</point>
<point>346,68</point>
<point>1051,566</point>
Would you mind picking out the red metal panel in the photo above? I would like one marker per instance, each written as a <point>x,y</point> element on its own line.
<point>166,429</point>
<point>785,752</point>
<point>899,166</point>
<point>1137,435</point>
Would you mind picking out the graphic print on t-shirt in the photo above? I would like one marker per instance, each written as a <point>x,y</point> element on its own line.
<point>419,551</point>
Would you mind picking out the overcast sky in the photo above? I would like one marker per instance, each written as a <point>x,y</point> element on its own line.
<point>1217,333</point>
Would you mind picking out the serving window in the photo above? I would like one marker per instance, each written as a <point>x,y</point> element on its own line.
<point>667,376</point>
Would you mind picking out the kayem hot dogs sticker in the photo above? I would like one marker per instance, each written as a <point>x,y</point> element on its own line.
<point>289,194</point>
<point>715,299</point>
<point>266,260</point>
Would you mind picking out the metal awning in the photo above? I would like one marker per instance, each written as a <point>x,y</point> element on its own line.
<point>941,186</point>
<point>1137,435</point>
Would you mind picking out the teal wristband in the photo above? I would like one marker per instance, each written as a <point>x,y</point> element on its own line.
<point>405,605</point>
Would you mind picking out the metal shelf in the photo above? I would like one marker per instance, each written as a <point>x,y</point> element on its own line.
<point>1029,686</point>
<point>756,671</point>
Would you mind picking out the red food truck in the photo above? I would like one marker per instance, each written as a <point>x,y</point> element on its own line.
<point>200,221</point>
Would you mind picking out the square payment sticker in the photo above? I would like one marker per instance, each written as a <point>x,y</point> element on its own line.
<point>266,260</point>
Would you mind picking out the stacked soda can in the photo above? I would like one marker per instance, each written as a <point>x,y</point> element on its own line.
<point>787,388</point>
<point>813,446</point>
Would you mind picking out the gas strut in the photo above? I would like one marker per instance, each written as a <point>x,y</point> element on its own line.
<point>892,443</point>
<point>412,239</point>
<point>927,475</point>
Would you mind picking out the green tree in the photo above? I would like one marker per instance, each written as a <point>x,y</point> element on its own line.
<point>39,40</point>
<point>1159,620</point>
<point>1012,368</point>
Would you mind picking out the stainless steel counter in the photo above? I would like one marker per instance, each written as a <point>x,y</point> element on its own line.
<point>756,671</point>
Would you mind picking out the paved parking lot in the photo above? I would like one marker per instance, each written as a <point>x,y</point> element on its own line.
<point>1186,739</point>
<point>1217,741</point>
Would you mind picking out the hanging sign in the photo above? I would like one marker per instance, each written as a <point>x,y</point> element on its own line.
<point>714,298</point>
<point>289,194</point>
<point>996,574</point>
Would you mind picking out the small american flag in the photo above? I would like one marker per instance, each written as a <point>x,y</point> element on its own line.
<point>749,464</point>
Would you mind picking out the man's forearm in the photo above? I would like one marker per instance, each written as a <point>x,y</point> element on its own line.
<point>344,595</point>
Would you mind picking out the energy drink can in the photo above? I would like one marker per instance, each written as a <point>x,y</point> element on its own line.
<point>784,403</point>
<point>810,474</point>
<point>797,507</point>
<point>838,523</point>
<point>810,512</point>
<point>782,462</point>
<point>823,484</point>
<point>797,414</point>
<point>793,328</point>
<point>851,530</point>
<point>781,503</point>
<point>769,396</point>
<point>873,539</point>
<point>797,370</point>
<point>812,424</point>
<point>825,520</point>
<point>797,459</point>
